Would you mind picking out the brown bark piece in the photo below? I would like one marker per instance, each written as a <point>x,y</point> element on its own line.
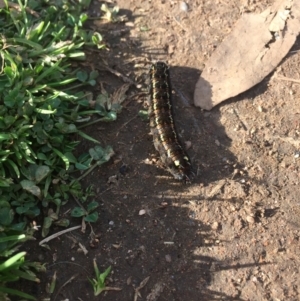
<point>249,53</point>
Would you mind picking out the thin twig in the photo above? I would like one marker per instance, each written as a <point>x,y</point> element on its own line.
<point>88,171</point>
<point>107,189</point>
<point>130,98</point>
<point>58,234</point>
<point>179,24</point>
<point>294,142</point>
<point>83,248</point>
<point>79,204</point>
<point>109,288</point>
<point>70,280</point>
<point>288,79</point>
<point>90,123</point>
<point>119,74</point>
<point>126,124</point>
<point>73,263</point>
<point>137,290</point>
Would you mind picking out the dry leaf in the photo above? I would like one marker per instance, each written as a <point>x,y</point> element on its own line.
<point>249,53</point>
<point>143,283</point>
<point>83,248</point>
<point>156,292</point>
<point>120,94</point>
<point>117,246</point>
<point>137,290</point>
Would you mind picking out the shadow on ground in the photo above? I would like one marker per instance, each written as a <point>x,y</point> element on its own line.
<point>171,241</point>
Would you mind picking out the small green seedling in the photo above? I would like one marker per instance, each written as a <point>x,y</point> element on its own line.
<point>99,283</point>
<point>111,14</point>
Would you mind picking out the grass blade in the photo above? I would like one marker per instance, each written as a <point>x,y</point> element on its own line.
<point>8,263</point>
<point>16,293</point>
<point>12,237</point>
<point>63,157</point>
<point>14,167</point>
<point>87,137</point>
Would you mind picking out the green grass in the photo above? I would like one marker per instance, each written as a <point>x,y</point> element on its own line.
<point>98,283</point>
<point>40,111</point>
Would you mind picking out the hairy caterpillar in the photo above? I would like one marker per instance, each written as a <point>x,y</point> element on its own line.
<point>162,124</point>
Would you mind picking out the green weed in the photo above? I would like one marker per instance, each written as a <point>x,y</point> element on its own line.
<point>13,265</point>
<point>98,283</point>
<point>41,111</point>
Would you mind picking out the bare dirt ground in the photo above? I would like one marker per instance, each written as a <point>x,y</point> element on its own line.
<point>233,234</point>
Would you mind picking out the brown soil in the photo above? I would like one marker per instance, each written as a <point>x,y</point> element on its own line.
<point>233,234</point>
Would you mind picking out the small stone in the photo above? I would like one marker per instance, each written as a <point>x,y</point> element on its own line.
<point>168,258</point>
<point>188,144</point>
<point>129,24</point>
<point>215,226</point>
<point>250,219</point>
<point>232,208</point>
<point>111,223</point>
<point>283,164</point>
<point>142,212</point>
<point>238,224</point>
<point>113,179</point>
<point>184,6</point>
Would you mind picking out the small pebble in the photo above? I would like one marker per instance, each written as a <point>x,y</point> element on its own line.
<point>123,169</point>
<point>184,6</point>
<point>188,144</point>
<point>238,224</point>
<point>215,226</point>
<point>250,219</point>
<point>111,223</point>
<point>142,212</point>
<point>168,258</point>
<point>283,164</point>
